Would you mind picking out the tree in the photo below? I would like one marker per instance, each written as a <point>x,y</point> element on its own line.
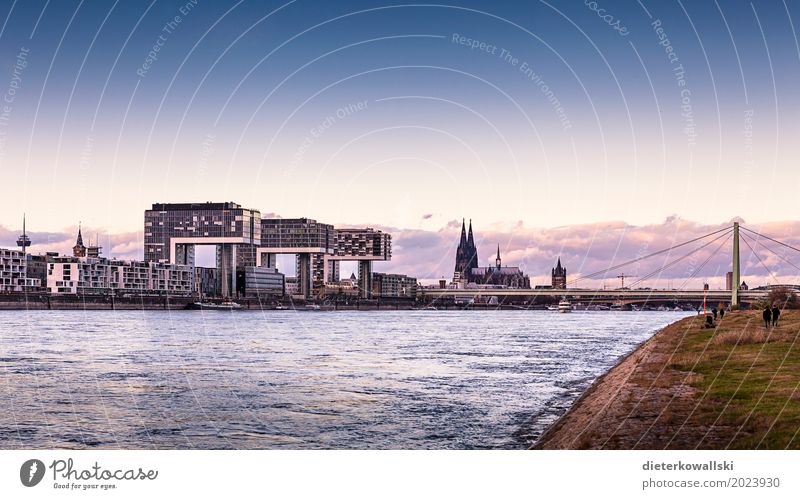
<point>783,297</point>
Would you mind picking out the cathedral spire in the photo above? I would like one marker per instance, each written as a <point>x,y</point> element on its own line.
<point>470,240</point>
<point>464,232</point>
<point>497,260</point>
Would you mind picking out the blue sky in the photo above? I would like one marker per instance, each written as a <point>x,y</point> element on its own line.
<point>401,115</point>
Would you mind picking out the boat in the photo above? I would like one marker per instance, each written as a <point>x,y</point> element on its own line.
<point>552,307</point>
<point>226,305</point>
<point>311,307</point>
<point>564,306</point>
<point>430,307</point>
<point>280,307</point>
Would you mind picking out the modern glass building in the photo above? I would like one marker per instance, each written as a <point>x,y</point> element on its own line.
<point>172,230</point>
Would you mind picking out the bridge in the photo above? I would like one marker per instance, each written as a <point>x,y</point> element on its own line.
<point>597,296</point>
<point>715,240</point>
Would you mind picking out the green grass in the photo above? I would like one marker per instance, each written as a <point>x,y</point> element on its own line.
<point>747,379</point>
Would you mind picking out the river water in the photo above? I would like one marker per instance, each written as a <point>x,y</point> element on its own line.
<point>301,380</point>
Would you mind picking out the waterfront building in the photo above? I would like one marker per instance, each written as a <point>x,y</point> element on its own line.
<point>37,267</point>
<point>364,246</point>
<point>13,272</point>
<point>559,276</point>
<point>89,275</point>
<point>347,287</point>
<point>172,230</point>
<point>244,240</point>
<point>293,288</point>
<point>319,249</point>
<point>394,285</point>
<point>467,273</point>
<point>206,281</point>
<point>306,238</point>
<point>499,276</point>
<point>257,282</point>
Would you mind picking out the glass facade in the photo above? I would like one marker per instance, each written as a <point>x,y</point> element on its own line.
<point>363,243</point>
<point>296,233</point>
<point>199,221</point>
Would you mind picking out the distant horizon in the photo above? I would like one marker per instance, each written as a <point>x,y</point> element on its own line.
<point>428,253</point>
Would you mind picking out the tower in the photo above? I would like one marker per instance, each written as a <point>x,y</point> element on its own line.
<point>559,276</point>
<point>466,255</point>
<point>472,250</point>
<point>497,260</point>
<point>736,277</point>
<point>461,256</point>
<point>24,241</point>
<point>79,250</point>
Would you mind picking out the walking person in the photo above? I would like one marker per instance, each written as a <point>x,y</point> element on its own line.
<point>714,311</point>
<point>721,312</point>
<point>767,315</point>
<point>776,313</point>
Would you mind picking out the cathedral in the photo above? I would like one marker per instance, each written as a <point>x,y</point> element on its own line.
<point>468,272</point>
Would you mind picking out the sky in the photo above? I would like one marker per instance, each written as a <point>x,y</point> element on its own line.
<point>531,118</point>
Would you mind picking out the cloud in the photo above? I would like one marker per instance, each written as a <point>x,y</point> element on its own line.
<point>122,245</point>
<point>589,248</point>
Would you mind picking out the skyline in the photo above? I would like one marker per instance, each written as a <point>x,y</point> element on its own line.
<point>429,254</point>
<point>320,110</point>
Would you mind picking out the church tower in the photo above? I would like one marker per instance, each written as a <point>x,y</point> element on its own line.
<point>79,250</point>
<point>466,255</point>
<point>462,258</point>
<point>497,261</point>
<point>559,275</point>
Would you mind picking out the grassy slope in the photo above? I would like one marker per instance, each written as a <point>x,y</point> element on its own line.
<point>737,386</point>
<point>748,379</point>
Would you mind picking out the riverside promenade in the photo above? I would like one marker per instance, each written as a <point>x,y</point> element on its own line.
<point>733,387</point>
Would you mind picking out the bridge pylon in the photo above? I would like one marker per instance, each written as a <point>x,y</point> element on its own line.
<point>737,278</point>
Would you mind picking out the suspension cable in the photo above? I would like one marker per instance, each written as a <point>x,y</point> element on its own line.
<point>769,273</point>
<point>678,260</point>
<point>773,252</point>
<point>772,239</point>
<point>699,268</point>
<point>600,272</point>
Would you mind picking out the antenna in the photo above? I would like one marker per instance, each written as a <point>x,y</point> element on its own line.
<point>24,241</point>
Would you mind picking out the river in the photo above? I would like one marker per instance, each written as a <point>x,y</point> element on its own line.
<point>301,380</point>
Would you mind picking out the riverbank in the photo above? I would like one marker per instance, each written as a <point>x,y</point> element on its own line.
<point>733,387</point>
<point>46,301</point>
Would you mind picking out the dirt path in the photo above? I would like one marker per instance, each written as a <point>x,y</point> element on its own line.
<point>657,398</point>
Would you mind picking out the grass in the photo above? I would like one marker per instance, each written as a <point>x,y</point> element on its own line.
<point>746,381</point>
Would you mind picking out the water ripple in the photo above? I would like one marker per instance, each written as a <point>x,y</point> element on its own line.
<point>389,380</point>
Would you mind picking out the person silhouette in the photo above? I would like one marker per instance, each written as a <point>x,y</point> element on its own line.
<point>721,312</point>
<point>776,313</point>
<point>767,315</point>
<point>714,311</point>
